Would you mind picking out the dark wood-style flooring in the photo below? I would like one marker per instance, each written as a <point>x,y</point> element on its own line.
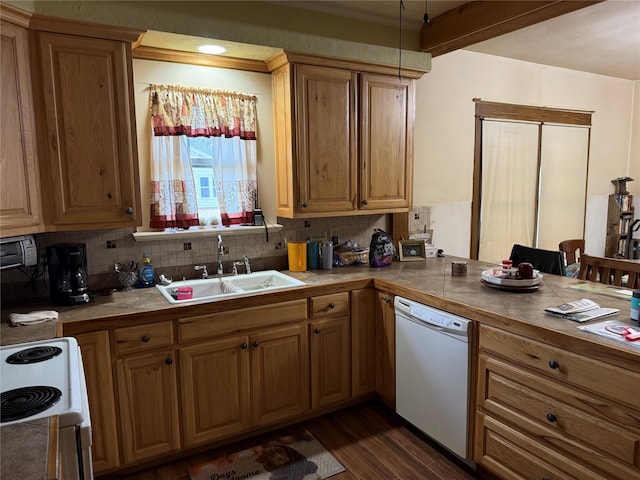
<point>370,441</point>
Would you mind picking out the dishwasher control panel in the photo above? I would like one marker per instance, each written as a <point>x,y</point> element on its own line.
<point>430,315</point>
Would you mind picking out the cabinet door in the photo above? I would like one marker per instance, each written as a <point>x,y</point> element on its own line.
<point>89,152</point>
<point>386,350</point>
<point>97,367</point>
<point>326,146</point>
<point>215,389</point>
<point>19,177</point>
<point>279,374</point>
<point>363,341</point>
<point>387,107</point>
<point>148,395</point>
<point>330,361</point>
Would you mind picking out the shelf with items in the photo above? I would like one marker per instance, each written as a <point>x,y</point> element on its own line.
<point>620,216</point>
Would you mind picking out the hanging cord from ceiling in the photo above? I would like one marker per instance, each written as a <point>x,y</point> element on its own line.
<point>401,8</point>
<point>425,19</point>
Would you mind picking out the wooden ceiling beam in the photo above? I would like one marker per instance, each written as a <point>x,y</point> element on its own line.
<point>477,21</point>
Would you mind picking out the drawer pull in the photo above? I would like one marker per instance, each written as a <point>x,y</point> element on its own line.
<point>169,361</point>
<point>244,346</point>
<point>316,331</point>
<point>388,300</point>
<point>256,343</point>
<point>332,305</point>
<point>145,338</point>
<point>553,364</point>
<point>552,418</point>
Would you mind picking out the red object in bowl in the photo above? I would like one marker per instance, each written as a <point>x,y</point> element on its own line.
<point>185,293</point>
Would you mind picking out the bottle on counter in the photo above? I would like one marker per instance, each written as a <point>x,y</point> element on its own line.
<point>635,306</point>
<point>146,273</point>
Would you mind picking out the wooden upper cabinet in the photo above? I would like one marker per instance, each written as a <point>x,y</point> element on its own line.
<point>387,106</point>
<point>20,207</point>
<point>327,155</point>
<point>343,136</point>
<point>88,150</point>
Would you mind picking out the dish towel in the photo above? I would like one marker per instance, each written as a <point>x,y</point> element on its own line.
<point>18,319</point>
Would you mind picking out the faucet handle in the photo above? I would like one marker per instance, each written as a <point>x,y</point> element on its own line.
<point>205,274</point>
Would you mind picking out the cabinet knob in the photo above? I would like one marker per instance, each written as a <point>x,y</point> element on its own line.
<point>365,202</point>
<point>256,343</point>
<point>552,418</point>
<point>145,338</point>
<point>316,331</point>
<point>553,364</point>
<point>244,346</point>
<point>332,305</point>
<point>169,361</point>
<point>388,300</point>
<point>109,195</point>
<point>304,204</point>
<point>129,211</point>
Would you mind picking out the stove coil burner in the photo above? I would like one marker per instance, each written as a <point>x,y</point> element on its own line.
<point>27,401</point>
<point>33,355</point>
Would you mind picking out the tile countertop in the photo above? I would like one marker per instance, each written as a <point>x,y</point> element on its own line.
<point>427,281</point>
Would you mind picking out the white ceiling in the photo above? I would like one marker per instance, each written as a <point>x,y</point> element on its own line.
<point>603,38</point>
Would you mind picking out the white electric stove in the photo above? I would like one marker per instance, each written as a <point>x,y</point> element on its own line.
<point>45,378</point>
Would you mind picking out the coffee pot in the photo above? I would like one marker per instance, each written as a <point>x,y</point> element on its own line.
<point>68,279</point>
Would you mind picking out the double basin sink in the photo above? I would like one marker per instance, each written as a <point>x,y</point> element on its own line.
<point>223,287</point>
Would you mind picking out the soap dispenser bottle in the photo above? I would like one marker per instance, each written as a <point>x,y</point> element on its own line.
<point>147,273</point>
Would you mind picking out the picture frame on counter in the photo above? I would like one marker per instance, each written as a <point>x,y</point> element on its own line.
<point>412,250</point>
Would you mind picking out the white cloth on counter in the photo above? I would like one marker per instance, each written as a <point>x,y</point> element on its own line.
<point>18,319</point>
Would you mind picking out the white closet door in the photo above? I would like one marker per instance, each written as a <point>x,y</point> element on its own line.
<point>509,187</point>
<point>563,183</point>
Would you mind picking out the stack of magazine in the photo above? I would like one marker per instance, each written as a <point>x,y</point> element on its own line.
<point>581,310</point>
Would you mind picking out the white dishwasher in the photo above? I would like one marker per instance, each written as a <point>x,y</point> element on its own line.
<point>432,372</point>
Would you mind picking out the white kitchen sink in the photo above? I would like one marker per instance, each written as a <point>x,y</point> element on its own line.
<point>218,288</point>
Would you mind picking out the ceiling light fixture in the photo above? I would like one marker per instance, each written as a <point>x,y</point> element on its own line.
<point>211,49</point>
<point>426,15</point>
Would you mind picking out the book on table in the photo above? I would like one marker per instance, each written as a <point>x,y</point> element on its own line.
<point>581,310</point>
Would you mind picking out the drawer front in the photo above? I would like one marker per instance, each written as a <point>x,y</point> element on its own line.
<point>143,337</point>
<point>619,384</point>
<point>243,319</point>
<point>513,455</point>
<point>329,305</point>
<point>536,406</point>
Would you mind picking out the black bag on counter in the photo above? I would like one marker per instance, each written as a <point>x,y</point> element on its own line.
<point>381,249</point>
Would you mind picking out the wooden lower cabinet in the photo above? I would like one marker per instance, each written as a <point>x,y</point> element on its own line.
<point>551,403</point>
<point>215,389</point>
<point>363,341</point>
<point>148,393</point>
<point>331,361</point>
<point>96,357</point>
<point>279,374</point>
<point>386,349</point>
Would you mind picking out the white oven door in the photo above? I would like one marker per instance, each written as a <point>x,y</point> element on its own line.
<point>75,440</point>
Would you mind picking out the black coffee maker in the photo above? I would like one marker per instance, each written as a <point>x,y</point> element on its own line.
<point>68,280</point>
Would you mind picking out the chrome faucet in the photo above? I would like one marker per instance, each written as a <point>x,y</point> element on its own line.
<point>205,274</point>
<point>220,255</point>
<point>247,265</point>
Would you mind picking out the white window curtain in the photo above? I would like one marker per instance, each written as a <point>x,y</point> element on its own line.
<point>509,186</point>
<point>563,180</point>
<point>173,190</point>
<point>197,112</point>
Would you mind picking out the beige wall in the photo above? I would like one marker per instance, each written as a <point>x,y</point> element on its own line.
<point>445,134</point>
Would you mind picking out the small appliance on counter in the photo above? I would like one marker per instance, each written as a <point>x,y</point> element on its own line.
<point>68,279</point>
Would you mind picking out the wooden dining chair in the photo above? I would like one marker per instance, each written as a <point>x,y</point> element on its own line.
<point>610,271</point>
<point>572,249</point>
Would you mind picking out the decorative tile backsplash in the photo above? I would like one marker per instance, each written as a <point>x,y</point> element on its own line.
<point>177,257</point>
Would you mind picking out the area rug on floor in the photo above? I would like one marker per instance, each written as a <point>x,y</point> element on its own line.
<point>288,458</point>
